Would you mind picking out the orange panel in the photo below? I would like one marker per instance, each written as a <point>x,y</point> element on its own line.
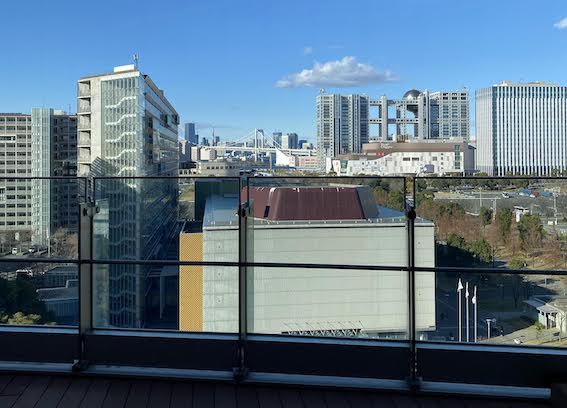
<point>191,283</point>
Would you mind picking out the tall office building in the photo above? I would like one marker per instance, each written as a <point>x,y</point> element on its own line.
<point>128,128</point>
<point>520,128</point>
<point>54,153</point>
<point>421,115</point>
<point>289,141</point>
<point>15,161</point>
<point>277,138</point>
<point>190,134</point>
<point>342,124</point>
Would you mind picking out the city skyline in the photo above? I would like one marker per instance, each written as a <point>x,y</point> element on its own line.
<point>253,72</point>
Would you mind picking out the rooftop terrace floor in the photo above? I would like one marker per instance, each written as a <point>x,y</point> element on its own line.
<point>79,391</point>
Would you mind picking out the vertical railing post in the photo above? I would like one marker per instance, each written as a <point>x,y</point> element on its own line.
<point>87,211</point>
<point>240,371</point>
<point>413,379</point>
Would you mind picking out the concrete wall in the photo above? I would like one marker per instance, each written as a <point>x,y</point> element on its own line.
<point>288,299</point>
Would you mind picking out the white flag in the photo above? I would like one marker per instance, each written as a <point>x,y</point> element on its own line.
<point>473,300</point>
<point>459,286</point>
<point>467,291</point>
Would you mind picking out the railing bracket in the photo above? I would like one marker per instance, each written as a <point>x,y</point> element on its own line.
<point>80,365</point>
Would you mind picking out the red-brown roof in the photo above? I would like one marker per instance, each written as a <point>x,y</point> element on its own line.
<point>311,203</point>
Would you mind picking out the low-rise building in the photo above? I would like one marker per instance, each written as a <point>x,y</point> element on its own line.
<point>62,302</point>
<point>549,311</point>
<point>326,225</point>
<point>219,168</point>
<point>445,157</point>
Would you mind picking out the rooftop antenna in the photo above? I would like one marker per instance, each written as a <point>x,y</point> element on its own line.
<point>136,60</point>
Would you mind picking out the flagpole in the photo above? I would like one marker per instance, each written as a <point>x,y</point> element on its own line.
<point>459,290</point>
<point>475,315</point>
<point>460,312</point>
<point>467,309</point>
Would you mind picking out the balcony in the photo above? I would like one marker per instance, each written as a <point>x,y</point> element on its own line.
<point>425,285</point>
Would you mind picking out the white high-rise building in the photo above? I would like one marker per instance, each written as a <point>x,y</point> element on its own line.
<point>55,202</point>
<point>521,129</point>
<point>342,124</point>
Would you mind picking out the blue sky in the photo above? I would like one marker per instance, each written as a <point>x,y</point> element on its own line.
<point>219,62</point>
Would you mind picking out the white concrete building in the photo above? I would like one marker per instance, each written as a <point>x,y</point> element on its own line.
<point>409,158</point>
<point>341,225</point>
<point>521,128</point>
<point>342,124</point>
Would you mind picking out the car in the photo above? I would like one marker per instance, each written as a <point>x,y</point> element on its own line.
<point>14,251</point>
<point>505,195</point>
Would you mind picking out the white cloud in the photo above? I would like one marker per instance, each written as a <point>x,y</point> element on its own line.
<point>561,24</point>
<point>343,73</point>
<point>307,50</point>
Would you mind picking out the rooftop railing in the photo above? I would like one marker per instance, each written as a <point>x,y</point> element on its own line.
<point>431,283</point>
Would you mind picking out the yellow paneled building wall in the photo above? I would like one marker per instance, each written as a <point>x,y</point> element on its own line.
<point>191,283</point>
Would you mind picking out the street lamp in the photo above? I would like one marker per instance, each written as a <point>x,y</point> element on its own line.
<point>488,322</point>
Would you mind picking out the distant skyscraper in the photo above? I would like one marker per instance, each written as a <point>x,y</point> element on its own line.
<point>293,140</point>
<point>520,128</point>
<point>116,114</point>
<point>277,138</point>
<point>184,151</point>
<point>342,124</point>
<point>190,134</point>
<point>422,115</point>
<point>54,153</point>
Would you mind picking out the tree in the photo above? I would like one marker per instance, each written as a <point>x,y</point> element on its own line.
<point>485,216</point>
<point>482,250</point>
<point>504,222</point>
<point>20,318</point>
<point>531,232</point>
<point>456,241</point>
<point>395,200</point>
<point>20,296</point>
<point>64,244</point>
<point>517,263</point>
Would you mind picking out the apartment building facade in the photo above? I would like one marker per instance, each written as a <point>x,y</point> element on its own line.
<point>15,161</point>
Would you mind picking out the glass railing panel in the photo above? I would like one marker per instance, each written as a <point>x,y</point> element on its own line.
<point>39,218</point>
<point>508,223</point>
<point>38,293</point>
<point>346,303</point>
<point>498,309</point>
<point>333,220</point>
<point>148,218</point>
<point>189,298</point>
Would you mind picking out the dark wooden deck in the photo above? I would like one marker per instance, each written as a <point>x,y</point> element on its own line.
<point>17,391</point>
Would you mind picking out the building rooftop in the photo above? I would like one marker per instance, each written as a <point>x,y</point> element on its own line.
<point>313,203</point>
<point>338,205</point>
<point>533,83</point>
<point>69,291</point>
